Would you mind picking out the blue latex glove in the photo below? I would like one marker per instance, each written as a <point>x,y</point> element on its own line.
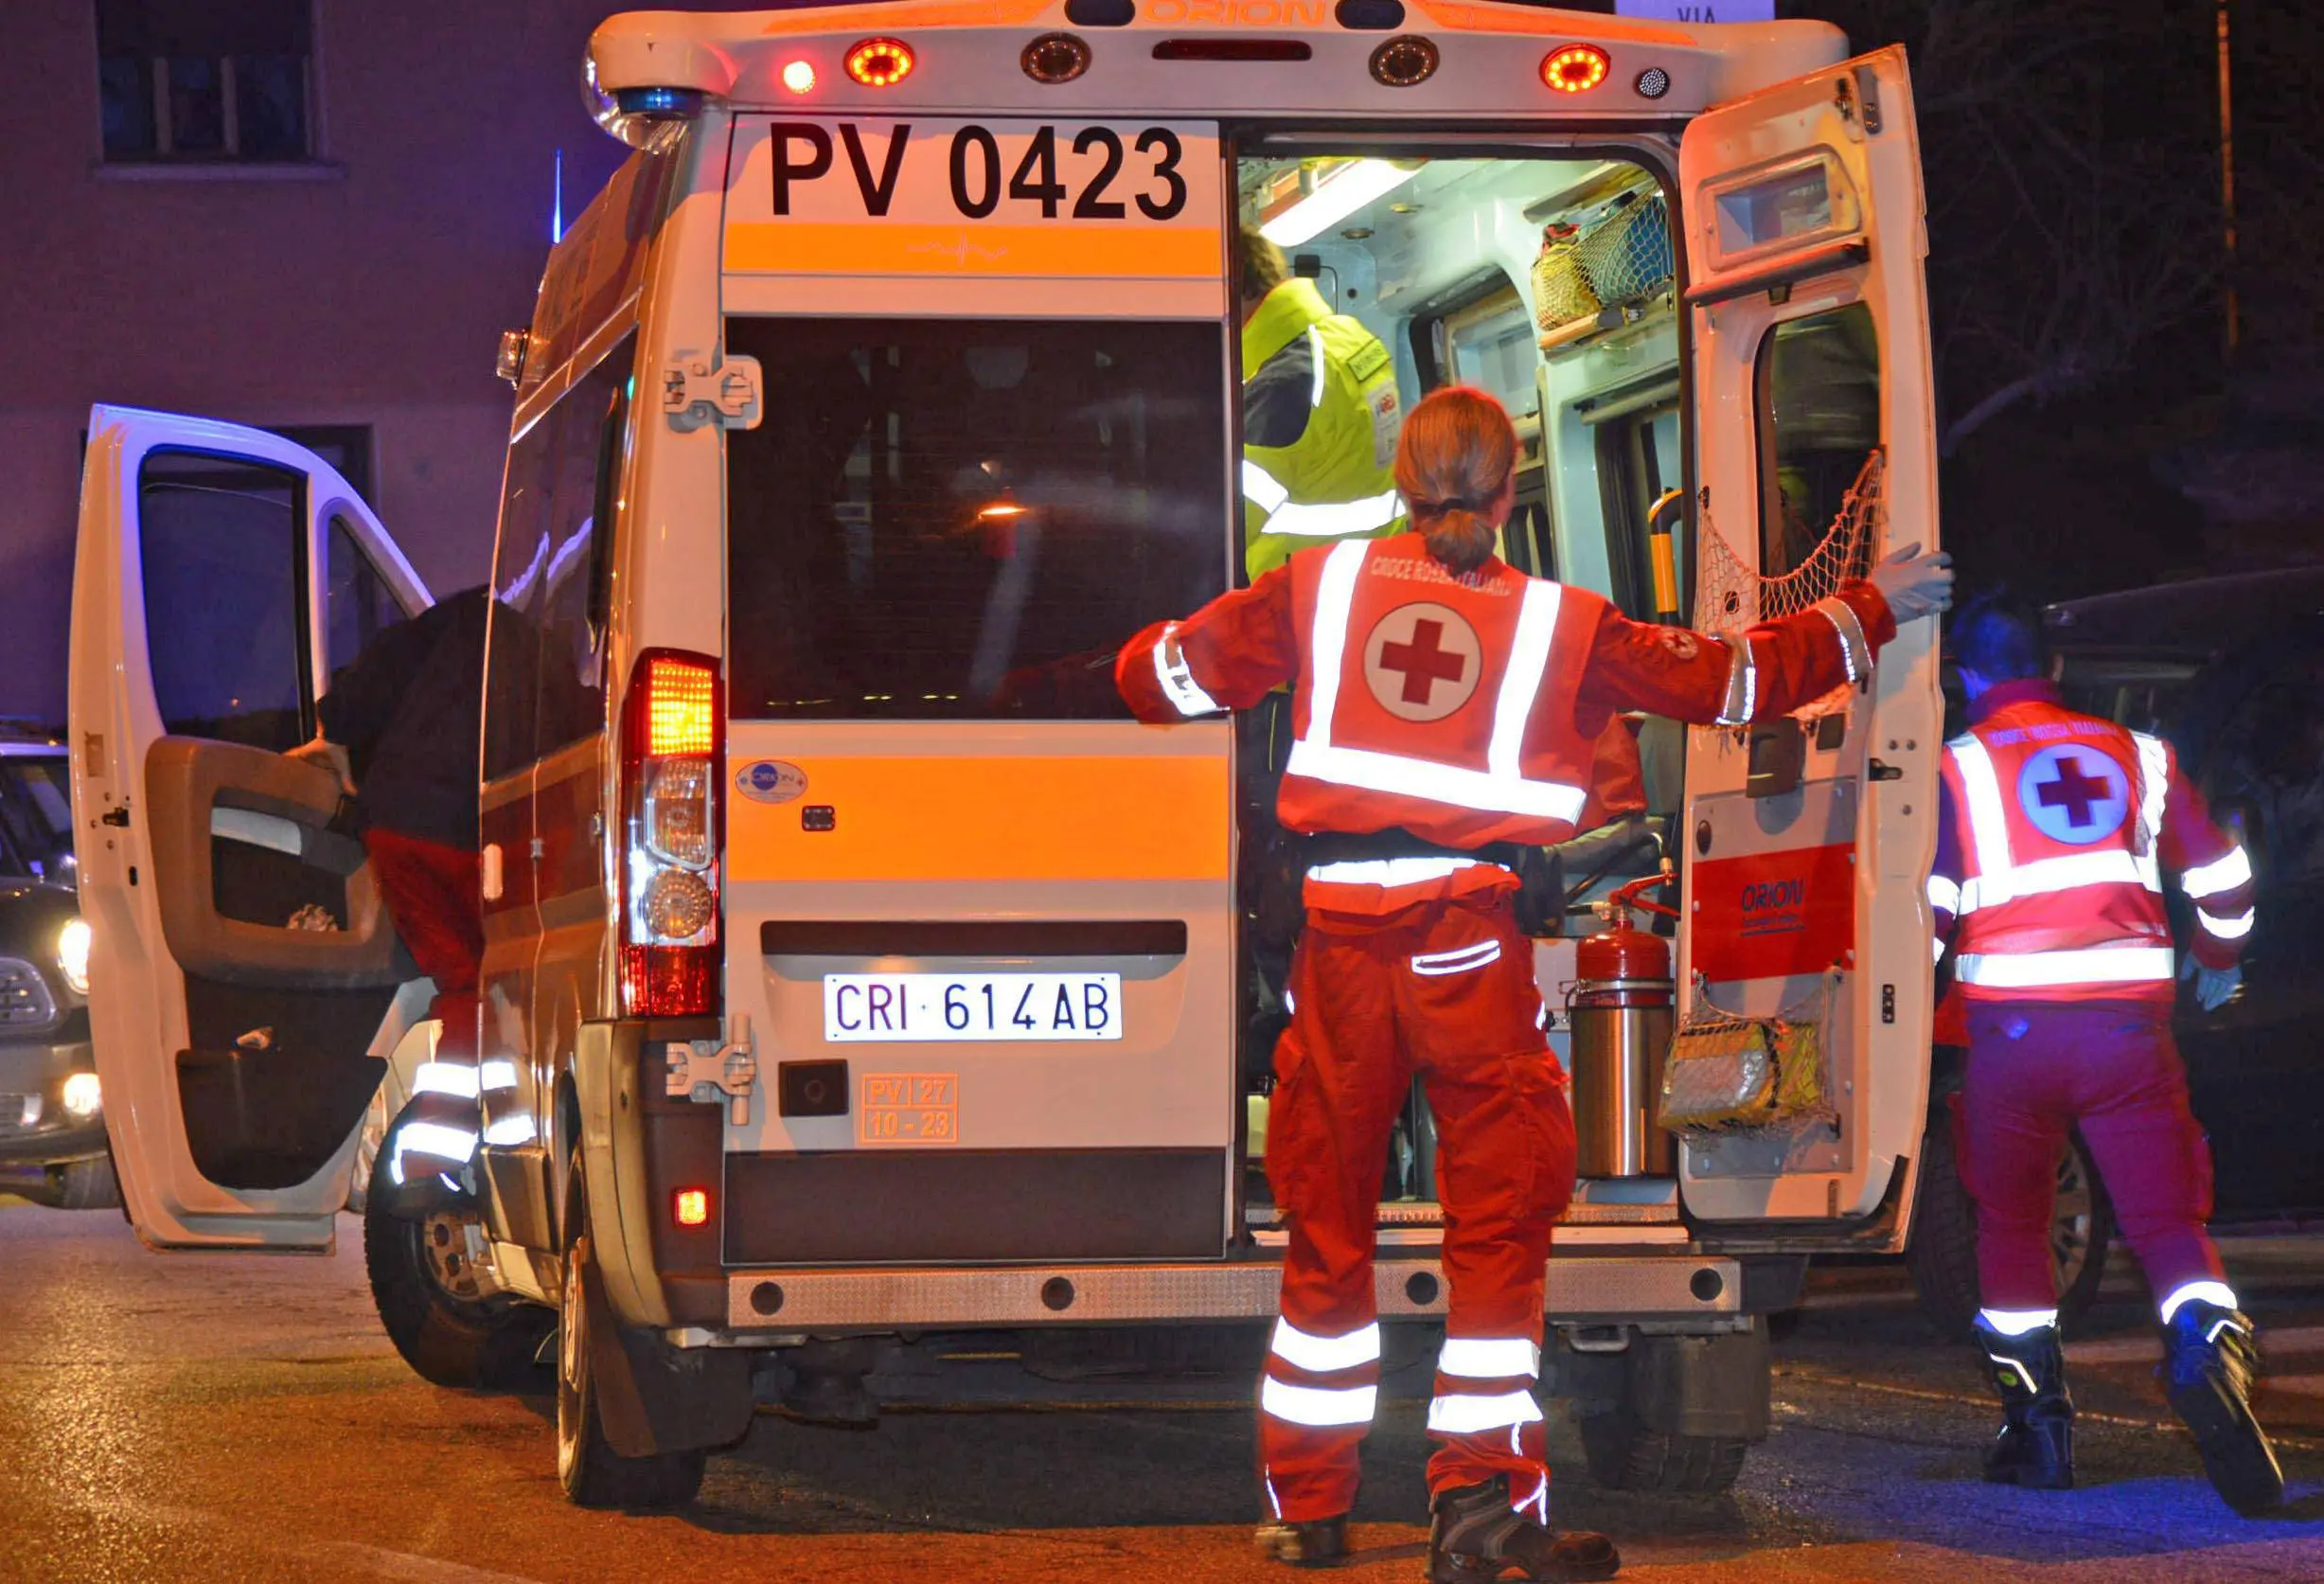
<point>2215,987</point>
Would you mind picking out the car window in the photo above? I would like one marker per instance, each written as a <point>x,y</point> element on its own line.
<point>220,545</point>
<point>36,818</point>
<point>358,603</point>
<point>2266,770</point>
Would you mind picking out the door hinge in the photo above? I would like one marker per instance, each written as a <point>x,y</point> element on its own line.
<point>703,1070</point>
<point>694,394</point>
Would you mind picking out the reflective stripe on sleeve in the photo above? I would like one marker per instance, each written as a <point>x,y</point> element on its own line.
<point>1742,684</point>
<point>446,1078</point>
<point>1263,488</point>
<point>1944,894</point>
<point>2119,965</point>
<point>1855,652</point>
<point>2046,875</point>
<point>1388,871</point>
<point>1317,1407</point>
<point>1333,519</point>
<point>2228,929</point>
<point>1490,1358</point>
<point>1461,1414</point>
<point>1989,827</point>
<point>1177,683</point>
<point>1323,1354</point>
<point>2209,880</point>
<point>2154,776</point>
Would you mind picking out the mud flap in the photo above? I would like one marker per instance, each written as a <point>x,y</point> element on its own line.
<point>653,1398</point>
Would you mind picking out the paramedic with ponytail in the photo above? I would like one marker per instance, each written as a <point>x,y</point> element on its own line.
<point>2054,835</point>
<point>1446,710</point>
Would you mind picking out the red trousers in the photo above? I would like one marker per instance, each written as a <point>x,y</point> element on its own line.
<point>2110,1068</point>
<point>1444,990</point>
<point>434,893</point>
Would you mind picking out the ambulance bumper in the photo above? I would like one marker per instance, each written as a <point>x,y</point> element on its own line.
<point>1581,1289</point>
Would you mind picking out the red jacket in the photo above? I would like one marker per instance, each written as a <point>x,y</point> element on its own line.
<point>2052,839</point>
<point>1467,711</point>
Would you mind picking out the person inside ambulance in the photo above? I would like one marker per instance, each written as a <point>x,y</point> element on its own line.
<point>1320,415</point>
<point>1447,709</point>
<point>2055,833</point>
<point>401,726</point>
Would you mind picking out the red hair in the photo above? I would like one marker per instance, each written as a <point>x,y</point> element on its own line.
<point>1453,459</point>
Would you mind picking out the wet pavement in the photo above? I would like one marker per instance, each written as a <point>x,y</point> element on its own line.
<point>204,1418</point>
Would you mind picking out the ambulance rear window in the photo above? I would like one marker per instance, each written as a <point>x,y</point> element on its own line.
<point>963,519</point>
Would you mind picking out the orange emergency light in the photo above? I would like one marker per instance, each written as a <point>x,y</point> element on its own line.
<point>880,62</point>
<point>691,1206</point>
<point>1576,69</point>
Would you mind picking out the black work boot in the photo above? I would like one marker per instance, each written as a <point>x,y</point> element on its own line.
<point>2035,1448</point>
<point>1316,1542</point>
<point>1475,1536</point>
<point>2209,1361</point>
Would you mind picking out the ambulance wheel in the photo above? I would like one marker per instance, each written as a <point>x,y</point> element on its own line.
<point>1942,1253</point>
<point>591,1471</point>
<point>431,1307</point>
<point>1623,1455</point>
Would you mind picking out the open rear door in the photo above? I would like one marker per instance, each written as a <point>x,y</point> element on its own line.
<point>240,957</point>
<point>1806,841</point>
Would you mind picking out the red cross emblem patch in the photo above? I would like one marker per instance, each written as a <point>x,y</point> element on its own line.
<point>1423,660</point>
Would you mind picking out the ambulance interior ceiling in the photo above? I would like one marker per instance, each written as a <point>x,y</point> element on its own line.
<point>1449,247</point>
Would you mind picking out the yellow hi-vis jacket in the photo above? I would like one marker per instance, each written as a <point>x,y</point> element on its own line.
<point>1320,420</point>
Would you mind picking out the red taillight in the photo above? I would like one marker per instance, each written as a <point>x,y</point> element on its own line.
<point>672,756</point>
<point>690,1206</point>
<point>1577,68</point>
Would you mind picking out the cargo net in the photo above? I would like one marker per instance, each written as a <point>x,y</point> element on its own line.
<point>1729,595</point>
<point>1732,1073</point>
<point>1622,257</point>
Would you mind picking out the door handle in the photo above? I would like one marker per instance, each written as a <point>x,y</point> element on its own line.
<point>489,871</point>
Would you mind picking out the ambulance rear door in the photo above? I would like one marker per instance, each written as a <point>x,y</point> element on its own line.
<point>241,959</point>
<point>1806,839</point>
<point>981,918</point>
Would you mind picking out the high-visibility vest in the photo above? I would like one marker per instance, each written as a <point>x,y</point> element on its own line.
<point>1437,705</point>
<point>2062,891</point>
<point>1337,480</point>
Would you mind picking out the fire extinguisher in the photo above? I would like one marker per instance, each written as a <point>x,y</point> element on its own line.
<point>1620,1011</point>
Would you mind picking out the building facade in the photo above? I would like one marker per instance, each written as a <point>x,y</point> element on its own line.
<point>314,216</point>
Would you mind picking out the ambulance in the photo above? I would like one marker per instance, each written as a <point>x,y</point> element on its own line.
<point>858,977</point>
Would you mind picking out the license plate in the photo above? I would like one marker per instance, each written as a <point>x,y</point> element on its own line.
<point>900,1008</point>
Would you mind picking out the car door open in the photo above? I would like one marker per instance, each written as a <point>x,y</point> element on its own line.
<point>1807,838</point>
<point>241,957</point>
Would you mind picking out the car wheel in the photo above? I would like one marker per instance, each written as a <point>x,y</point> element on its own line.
<point>84,1186</point>
<point>433,1306</point>
<point>591,1471</point>
<point>1623,1455</point>
<point>1942,1253</point>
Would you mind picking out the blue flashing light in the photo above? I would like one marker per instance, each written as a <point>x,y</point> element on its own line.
<point>661,105</point>
<point>556,202</point>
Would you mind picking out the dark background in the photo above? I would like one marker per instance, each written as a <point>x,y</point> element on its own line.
<point>2098,429</point>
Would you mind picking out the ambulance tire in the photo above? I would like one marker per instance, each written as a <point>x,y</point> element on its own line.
<point>466,1344</point>
<point>1623,1455</point>
<point>591,1471</point>
<point>1942,1255</point>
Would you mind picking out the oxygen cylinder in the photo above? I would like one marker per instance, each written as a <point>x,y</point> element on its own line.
<point>1620,1014</point>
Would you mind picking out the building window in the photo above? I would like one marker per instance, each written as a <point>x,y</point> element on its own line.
<point>206,80</point>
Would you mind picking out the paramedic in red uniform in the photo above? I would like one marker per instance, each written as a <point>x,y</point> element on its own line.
<point>1445,710</point>
<point>402,726</point>
<point>2055,834</point>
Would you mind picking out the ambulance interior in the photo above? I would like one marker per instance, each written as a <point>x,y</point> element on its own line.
<point>1550,283</point>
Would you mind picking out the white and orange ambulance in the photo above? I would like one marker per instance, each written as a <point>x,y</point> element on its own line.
<point>858,975</point>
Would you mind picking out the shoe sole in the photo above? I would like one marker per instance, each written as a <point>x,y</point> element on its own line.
<point>2236,1454</point>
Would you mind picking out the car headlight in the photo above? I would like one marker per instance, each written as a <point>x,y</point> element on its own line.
<point>73,956</point>
<point>83,1096</point>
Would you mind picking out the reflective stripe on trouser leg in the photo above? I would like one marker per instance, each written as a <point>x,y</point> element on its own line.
<point>1341,1082</point>
<point>436,1132</point>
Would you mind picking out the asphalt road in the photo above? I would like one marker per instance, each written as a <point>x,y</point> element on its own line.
<point>196,1417</point>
